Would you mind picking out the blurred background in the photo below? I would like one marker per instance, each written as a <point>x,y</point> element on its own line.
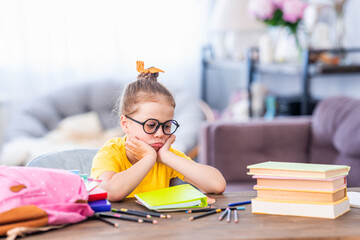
<point>202,45</point>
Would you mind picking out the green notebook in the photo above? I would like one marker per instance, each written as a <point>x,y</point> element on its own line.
<point>180,196</point>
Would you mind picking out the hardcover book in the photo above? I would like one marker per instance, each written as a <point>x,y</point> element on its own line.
<point>304,170</point>
<point>100,205</point>
<point>325,210</point>
<point>297,195</point>
<point>300,183</point>
<point>97,194</point>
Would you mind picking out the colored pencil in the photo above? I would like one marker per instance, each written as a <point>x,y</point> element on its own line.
<point>106,221</point>
<point>140,213</point>
<point>239,203</point>
<point>235,216</point>
<point>228,219</point>
<point>211,209</point>
<point>205,214</point>
<point>127,218</point>
<point>223,214</point>
<point>131,212</point>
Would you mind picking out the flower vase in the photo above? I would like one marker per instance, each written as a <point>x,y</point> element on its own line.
<point>340,33</point>
<point>287,46</point>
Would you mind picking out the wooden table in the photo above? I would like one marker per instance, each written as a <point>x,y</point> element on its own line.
<point>250,226</point>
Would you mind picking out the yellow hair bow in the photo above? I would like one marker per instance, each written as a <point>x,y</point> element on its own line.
<point>140,68</point>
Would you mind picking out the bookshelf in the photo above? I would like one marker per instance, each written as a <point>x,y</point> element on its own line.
<point>221,77</point>
<point>307,69</point>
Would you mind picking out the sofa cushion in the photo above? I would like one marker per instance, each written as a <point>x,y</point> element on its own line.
<point>336,123</point>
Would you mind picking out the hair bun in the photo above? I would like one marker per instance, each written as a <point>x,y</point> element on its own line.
<point>147,74</point>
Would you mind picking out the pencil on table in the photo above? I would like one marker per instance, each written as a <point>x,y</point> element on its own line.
<point>211,209</point>
<point>140,213</point>
<point>228,219</point>
<point>106,221</point>
<point>201,210</point>
<point>205,214</point>
<point>131,212</point>
<point>235,216</point>
<point>127,218</point>
<point>154,214</point>
<point>223,214</point>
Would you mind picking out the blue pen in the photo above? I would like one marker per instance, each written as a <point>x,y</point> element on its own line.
<point>238,203</point>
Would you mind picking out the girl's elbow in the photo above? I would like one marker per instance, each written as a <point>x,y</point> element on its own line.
<point>115,196</point>
<point>218,187</point>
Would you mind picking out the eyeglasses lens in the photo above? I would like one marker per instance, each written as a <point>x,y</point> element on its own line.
<point>151,126</point>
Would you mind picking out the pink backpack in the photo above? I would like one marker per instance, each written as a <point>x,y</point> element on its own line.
<point>60,194</point>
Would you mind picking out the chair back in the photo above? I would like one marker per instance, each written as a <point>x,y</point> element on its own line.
<point>69,159</point>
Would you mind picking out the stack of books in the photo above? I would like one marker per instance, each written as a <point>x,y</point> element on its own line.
<point>97,197</point>
<point>300,189</point>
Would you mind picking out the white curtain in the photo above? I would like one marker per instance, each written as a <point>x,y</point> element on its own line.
<point>47,44</point>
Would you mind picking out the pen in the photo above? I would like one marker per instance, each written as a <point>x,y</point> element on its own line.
<point>239,203</point>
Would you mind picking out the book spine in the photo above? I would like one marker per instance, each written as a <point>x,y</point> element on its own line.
<point>101,208</point>
<point>96,197</point>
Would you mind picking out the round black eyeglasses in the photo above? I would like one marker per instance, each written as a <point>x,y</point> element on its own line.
<point>151,125</point>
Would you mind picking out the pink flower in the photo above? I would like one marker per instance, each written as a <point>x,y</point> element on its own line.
<point>278,3</point>
<point>261,9</point>
<point>293,10</point>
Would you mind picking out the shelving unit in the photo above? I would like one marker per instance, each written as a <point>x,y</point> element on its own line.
<point>306,69</point>
<point>311,70</point>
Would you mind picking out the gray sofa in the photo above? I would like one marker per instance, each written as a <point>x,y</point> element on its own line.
<point>40,116</point>
<point>331,136</point>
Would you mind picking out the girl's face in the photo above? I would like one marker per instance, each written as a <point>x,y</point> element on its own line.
<point>160,110</point>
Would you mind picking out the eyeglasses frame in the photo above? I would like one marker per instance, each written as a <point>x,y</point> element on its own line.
<point>157,127</point>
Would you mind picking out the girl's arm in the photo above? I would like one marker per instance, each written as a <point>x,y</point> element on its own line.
<point>205,177</point>
<point>121,184</point>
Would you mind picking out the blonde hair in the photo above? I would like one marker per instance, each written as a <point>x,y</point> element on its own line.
<point>145,89</point>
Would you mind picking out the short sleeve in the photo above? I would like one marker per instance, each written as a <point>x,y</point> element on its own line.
<point>107,159</point>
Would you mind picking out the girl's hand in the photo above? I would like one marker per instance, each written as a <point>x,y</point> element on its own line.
<point>165,148</point>
<point>138,148</point>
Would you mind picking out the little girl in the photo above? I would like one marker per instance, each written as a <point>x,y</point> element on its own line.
<point>144,160</point>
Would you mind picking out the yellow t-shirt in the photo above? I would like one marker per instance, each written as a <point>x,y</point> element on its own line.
<point>112,157</point>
